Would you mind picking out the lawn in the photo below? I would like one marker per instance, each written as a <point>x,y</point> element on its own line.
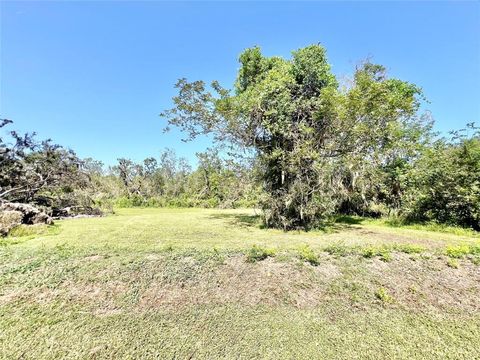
<point>206,284</point>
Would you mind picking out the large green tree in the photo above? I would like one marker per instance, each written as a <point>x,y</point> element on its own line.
<point>315,140</point>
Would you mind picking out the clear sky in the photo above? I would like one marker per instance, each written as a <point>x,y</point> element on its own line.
<point>94,76</point>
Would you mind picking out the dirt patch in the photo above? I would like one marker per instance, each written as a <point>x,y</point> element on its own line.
<point>94,258</point>
<point>414,284</point>
<point>265,282</point>
<point>429,283</point>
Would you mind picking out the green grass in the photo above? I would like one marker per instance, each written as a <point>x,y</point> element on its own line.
<point>257,253</point>
<point>399,223</point>
<point>203,284</point>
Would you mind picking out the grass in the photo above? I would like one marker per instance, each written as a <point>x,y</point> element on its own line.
<point>203,284</point>
<point>308,255</point>
<point>257,253</point>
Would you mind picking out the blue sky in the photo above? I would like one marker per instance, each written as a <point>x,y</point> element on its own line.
<point>94,76</point>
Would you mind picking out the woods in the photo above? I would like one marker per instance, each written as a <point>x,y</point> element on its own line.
<point>325,148</point>
<point>289,137</point>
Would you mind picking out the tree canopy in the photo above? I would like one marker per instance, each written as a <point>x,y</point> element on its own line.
<point>318,143</point>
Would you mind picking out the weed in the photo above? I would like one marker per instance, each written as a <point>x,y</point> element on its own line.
<point>412,289</point>
<point>475,249</point>
<point>257,253</point>
<point>458,251</point>
<point>382,295</point>
<point>168,248</point>
<point>339,250</point>
<point>453,263</point>
<point>371,251</point>
<point>306,253</point>
<point>409,248</point>
<point>386,256</point>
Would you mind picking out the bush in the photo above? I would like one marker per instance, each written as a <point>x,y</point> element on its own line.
<point>339,250</point>
<point>446,184</point>
<point>453,263</point>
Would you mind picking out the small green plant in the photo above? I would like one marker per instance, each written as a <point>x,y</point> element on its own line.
<point>382,252</point>
<point>383,295</point>
<point>386,256</point>
<point>369,252</point>
<point>412,289</point>
<point>306,253</point>
<point>339,250</point>
<point>410,248</point>
<point>476,260</point>
<point>475,249</point>
<point>453,263</point>
<point>168,248</point>
<point>257,253</point>
<point>457,251</point>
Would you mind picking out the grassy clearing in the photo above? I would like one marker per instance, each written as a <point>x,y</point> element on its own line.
<point>191,283</point>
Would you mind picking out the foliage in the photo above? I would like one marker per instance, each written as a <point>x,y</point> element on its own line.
<point>410,248</point>
<point>307,254</point>
<point>40,172</point>
<point>171,182</point>
<point>383,295</point>
<point>453,263</point>
<point>257,253</point>
<point>382,252</point>
<point>446,185</point>
<point>460,251</point>
<point>316,143</point>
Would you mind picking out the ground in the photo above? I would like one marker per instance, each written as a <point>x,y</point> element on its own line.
<point>207,284</point>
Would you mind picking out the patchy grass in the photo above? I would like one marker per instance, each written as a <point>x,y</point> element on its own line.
<point>308,255</point>
<point>257,253</point>
<point>383,296</point>
<point>174,283</point>
<point>453,263</point>
<point>460,251</point>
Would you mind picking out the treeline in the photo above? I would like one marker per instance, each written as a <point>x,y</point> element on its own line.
<point>57,180</point>
<point>318,149</point>
<point>170,181</point>
<point>441,184</point>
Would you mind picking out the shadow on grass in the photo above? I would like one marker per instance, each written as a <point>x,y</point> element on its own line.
<point>337,224</point>
<point>348,220</point>
<point>241,220</point>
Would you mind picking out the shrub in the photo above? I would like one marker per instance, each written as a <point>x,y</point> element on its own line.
<point>123,202</point>
<point>446,183</point>
<point>306,253</point>
<point>257,253</point>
